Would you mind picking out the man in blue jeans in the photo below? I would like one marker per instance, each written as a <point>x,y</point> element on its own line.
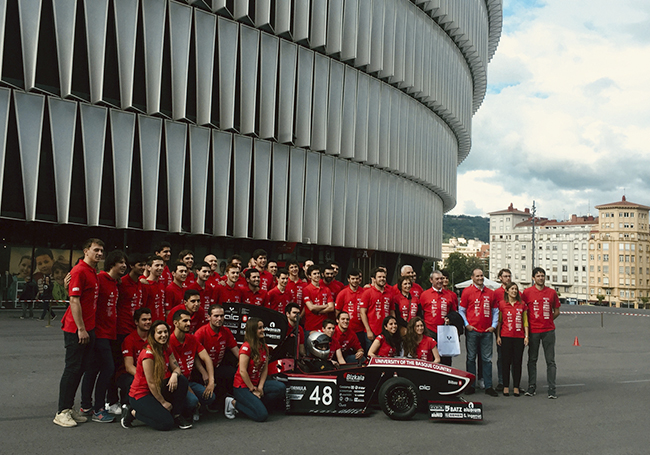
<point>480,315</point>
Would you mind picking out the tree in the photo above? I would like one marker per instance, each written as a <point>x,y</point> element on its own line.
<point>460,267</point>
<point>644,301</point>
<point>600,299</point>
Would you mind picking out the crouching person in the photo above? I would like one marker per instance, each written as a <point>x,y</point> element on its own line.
<point>158,392</point>
<point>254,393</point>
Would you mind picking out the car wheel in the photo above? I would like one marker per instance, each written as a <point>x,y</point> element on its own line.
<point>398,398</point>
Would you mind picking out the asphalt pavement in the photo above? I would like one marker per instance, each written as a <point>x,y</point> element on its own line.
<point>603,388</point>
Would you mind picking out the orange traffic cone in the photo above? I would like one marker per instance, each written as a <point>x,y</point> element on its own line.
<point>576,342</point>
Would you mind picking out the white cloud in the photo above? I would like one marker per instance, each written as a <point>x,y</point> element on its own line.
<point>566,119</point>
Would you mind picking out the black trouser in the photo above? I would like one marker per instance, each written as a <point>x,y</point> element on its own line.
<point>78,360</point>
<point>153,413</point>
<point>124,383</point>
<point>47,308</point>
<point>512,350</point>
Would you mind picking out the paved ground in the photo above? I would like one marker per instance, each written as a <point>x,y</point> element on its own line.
<point>603,388</point>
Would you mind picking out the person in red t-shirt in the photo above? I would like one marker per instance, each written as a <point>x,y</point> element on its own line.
<point>543,308</point>
<point>408,271</point>
<point>389,342</point>
<point>349,300</point>
<point>505,277</point>
<point>350,346</point>
<point>192,304</point>
<point>130,296</point>
<point>206,288</point>
<point>229,291</point>
<point>407,306</point>
<point>218,340</point>
<point>252,294</point>
<point>336,286</point>
<point>266,278</point>
<point>272,268</point>
<point>335,356</point>
<point>131,348</point>
<point>295,284</point>
<point>376,305</point>
<point>153,293</point>
<point>417,345</point>
<point>480,315</point>
<point>512,336</point>
<point>280,296</point>
<point>212,260</point>
<point>159,389</point>
<point>174,291</point>
<point>328,280</point>
<point>105,331</point>
<point>318,301</point>
<point>253,392</point>
<point>437,303</point>
<point>186,349</point>
<point>292,312</point>
<point>78,325</point>
<point>187,258</point>
<point>164,250</point>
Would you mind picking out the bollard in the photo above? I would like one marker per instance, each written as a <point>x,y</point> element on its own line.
<point>601,319</point>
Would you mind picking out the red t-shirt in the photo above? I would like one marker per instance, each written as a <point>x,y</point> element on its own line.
<point>425,348</point>
<point>129,300</point>
<point>385,349</point>
<point>185,352</point>
<point>416,290</point>
<point>334,346</point>
<point>479,305</point>
<point>499,294</point>
<point>196,320</point>
<point>226,294</point>
<point>408,309</point>
<point>173,296</point>
<point>378,305</point>
<point>208,296</point>
<point>166,278</point>
<point>83,284</point>
<point>190,280</point>
<point>350,301</point>
<point>297,288</point>
<point>336,287</point>
<point>277,300</point>
<point>347,340</point>
<point>153,297</point>
<point>266,280</point>
<point>139,386</point>
<point>131,347</point>
<point>320,296</point>
<point>540,308</point>
<point>436,306</point>
<point>215,343</point>
<point>106,313</point>
<point>254,370</point>
<point>214,279</point>
<point>512,319</point>
<point>258,298</point>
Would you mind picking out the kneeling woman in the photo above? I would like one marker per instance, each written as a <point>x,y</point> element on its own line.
<point>389,342</point>
<point>418,345</point>
<point>253,392</point>
<point>158,391</point>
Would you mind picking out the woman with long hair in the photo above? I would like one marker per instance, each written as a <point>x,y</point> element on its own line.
<point>253,392</point>
<point>512,336</point>
<point>407,306</point>
<point>158,391</point>
<point>389,342</point>
<point>418,345</point>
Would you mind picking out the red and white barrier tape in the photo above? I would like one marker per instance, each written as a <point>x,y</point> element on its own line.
<point>594,312</point>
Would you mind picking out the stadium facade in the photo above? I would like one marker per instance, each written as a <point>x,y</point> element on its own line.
<point>333,126</point>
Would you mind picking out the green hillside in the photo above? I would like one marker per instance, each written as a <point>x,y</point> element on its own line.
<point>469,227</point>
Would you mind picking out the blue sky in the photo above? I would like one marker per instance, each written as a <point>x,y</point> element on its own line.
<point>565,121</point>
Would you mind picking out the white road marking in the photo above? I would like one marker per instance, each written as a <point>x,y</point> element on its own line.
<point>570,385</point>
<point>634,382</point>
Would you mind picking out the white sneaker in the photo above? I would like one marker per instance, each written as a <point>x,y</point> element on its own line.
<point>114,409</point>
<point>64,419</point>
<point>78,417</point>
<point>230,410</point>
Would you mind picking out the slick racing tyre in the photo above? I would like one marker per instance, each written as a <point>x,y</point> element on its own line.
<point>398,398</point>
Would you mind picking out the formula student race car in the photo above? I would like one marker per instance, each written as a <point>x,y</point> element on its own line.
<point>400,386</point>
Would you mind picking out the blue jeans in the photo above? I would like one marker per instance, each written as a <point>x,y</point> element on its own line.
<point>351,358</point>
<point>474,341</point>
<point>101,371</point>
<point>256,409</point>
<point>193,399</point>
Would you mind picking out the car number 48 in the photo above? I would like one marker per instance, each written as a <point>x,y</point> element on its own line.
<point>326,398</point>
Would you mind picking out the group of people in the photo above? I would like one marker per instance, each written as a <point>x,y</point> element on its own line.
<point>149,343</point>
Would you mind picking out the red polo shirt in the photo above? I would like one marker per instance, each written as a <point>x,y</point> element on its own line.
<point>129,300</point>
<point>106,313</point>
<point>83,284</point>
<point>216,343</point>
<point>378,305</point>
<point>436,305</point>
<point>479,304</point>
<point>540,308</point>
<point>350,301</point>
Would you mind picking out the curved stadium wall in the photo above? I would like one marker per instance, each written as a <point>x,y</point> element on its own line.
<point>335,122</point>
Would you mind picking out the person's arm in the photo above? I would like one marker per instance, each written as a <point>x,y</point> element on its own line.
<point>154,388</point>
<point>364,319</point>
<point>243,372</point>
<point>526,328</point>
<point>359,354</point>
<point>207,361</point>
<point>495,320</point>
<point>77,315</point>
<point>374,348</point>
<point>175,369</point>
<point>302,351</point>
<point>436,354</point>
<point>462,311</point>
<point>129,365</point>
<point>339,356</point>
<point>235,351</point>
<point>329,307</point>
<point>556,313</point>
<point>499,329</point>
<point>260,387</point>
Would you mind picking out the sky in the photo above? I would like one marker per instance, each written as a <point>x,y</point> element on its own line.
<point>566,118</point>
